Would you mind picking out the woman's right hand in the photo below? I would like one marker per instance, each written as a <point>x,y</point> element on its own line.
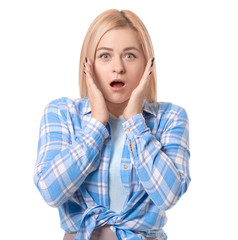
<point>96,98</point>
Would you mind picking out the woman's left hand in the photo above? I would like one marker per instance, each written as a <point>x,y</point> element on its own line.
<point>136,100</point>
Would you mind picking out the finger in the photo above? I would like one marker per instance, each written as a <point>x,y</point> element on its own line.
<point>147,73</point>
<point>93,89</point>
<point>89,80</point>
<point>89,73</point>
<point>149,66</point>
<point>91,86</point>
<point>88,67</point>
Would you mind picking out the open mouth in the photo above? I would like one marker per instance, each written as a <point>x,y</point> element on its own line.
<point>117,83</point>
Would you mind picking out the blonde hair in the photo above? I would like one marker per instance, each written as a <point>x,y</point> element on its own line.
<point>106,21</point>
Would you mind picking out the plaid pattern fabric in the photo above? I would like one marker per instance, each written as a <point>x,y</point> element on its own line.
<point>71,170</point>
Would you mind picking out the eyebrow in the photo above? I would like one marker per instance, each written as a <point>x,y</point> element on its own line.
<point>125,49</point>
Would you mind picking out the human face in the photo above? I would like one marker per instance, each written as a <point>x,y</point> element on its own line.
<point>118,57</point>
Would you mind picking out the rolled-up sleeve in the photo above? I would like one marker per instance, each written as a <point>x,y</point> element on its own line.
<point>161,160</point>
<point>65,160</point>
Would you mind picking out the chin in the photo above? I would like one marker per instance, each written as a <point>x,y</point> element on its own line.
<point>117,100</point>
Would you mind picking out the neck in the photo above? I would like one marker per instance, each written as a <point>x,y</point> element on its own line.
<point>116,109</point>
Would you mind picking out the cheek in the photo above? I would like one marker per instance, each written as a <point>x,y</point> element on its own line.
<point>100,71</point>
<point>136,76</point>
<point>97,71</point>
<point>100,74</point>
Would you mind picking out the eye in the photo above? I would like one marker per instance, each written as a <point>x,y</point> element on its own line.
<point>104,56</point>
<point>130,56</point>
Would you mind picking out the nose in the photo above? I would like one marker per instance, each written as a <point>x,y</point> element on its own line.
<point>118,65</point>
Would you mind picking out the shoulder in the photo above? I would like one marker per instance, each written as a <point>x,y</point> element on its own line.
<point>169,118</point>
<point>66,103</point>
<point>166,110</point>
<point>66,107</point>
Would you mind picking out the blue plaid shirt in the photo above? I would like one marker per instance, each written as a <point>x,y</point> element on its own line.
<point>71,170</point>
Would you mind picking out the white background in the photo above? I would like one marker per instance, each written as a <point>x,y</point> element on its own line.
<point>196,52</point>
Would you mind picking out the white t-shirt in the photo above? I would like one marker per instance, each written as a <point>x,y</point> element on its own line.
<point>117,192</point>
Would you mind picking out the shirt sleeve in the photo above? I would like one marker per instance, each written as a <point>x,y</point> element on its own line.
<point>161,162</point>
<point>63,162</point>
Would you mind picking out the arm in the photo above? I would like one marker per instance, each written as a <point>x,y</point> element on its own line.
<point>162,165</point>
<point>64,161</point>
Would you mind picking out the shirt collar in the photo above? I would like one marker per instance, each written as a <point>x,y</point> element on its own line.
<point>147,107</point>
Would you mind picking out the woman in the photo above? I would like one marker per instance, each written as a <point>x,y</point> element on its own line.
<point>114,160</point>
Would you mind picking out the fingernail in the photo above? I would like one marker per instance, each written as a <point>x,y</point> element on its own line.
<point>86,60</point>
<point>84,72</point>
<point>84,64</point>
<point>152,62</point>
<point>150,73</point>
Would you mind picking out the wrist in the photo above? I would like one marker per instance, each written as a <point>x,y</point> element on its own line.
<point>128,116</point>
<point>103,121</point>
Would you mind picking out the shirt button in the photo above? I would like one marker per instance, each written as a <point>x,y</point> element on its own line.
<point>125,166</point>
<point>128,130</point>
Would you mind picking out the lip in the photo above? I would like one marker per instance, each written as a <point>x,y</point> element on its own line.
<point>117,89</point>
<point>118,80</point>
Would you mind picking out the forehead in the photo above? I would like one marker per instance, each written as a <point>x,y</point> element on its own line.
<point>119,38</point>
